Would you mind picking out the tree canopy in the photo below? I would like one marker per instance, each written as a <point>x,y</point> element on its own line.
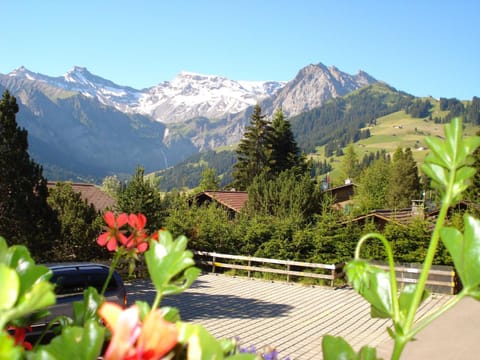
<point>404,185</point>
<point>142,195</point>
<point>266,148</point>
<point>25,216</point>
<point>254,153</point>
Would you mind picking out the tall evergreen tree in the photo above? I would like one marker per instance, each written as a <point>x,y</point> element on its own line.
<point>404,185</point>
<point>350,166</point>
<point>254,153</point>
<point>285,152</point>
<point>372,186</point>
<point>112,185</point>
<point>80,225</point>
<point>288,195</point>
<point>141,195</point>
<point>209,180</point>
<point>25,216</point>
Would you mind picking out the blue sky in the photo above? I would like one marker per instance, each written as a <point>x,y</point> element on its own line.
<point>421,47</point>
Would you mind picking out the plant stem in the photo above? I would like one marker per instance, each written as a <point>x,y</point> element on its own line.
<point>391,265</point>
<point>398,347</point>
<point>434,315</point>
<point>401,341</point>
<point>157,300</point>
<point>113,265</point>
<point>427,264</point>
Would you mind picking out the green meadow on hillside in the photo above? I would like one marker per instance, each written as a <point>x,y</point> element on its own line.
<point>391,132</point>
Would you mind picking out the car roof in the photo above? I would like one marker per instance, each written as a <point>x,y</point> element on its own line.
<point>76,266</point>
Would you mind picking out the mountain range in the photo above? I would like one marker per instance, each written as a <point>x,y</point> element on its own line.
<point>84,127</point>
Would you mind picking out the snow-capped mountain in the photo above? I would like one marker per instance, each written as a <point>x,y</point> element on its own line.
<point>84,124</point>
<point>187,96</point>
<point>192,95</point>
<point>80,80</point>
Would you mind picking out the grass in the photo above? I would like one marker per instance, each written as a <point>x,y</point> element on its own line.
<point>391,132</point>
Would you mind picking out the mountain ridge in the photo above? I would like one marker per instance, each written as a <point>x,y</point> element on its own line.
<point>199,112</point>
<point>187,96</point>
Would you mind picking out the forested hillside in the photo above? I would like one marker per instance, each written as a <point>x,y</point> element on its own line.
<point>189,172</point>
<point>350,119</point>
<point>339,122</point>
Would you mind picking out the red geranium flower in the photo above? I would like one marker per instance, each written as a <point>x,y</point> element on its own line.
<point>138,236</point>
<point>19,337</point>
<point>113,234</point>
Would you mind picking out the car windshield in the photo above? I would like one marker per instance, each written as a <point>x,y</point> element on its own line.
<point>75,282</point>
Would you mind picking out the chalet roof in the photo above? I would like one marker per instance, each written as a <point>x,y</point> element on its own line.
<point>92,194</point>
<point>398,216</point>
<point>234,200</point>
<point>341,187</point>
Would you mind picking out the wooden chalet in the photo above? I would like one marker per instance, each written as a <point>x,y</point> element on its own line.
<point>100,200</point>
<point>341,195</point>
<point>233,201</point>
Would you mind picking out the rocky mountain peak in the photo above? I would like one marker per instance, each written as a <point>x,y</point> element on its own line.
<point>23,73</point>
<point>315,84</point>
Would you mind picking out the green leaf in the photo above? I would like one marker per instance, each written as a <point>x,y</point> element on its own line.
<point>438,155</point>
<point>3,251</point>
<point>75,343</point>
<point>31,289</point>
<point>10,287</point>
<point>367,353</point>
<point>229,346</point>
<point>465,252</point>
<point>438,174</point>
<point>201,345</point>
<point>40,296</point>
<point>336,348</point>
<point>143,309</point>
<point>168,260</point>
<point>182,283</point>
<point>8,350</point>
<point>170,314</point>
<point>453,155</point>
<point>86,310</point>
<point>27,270</point>
<point>373,284</point>
<point>405,301</point>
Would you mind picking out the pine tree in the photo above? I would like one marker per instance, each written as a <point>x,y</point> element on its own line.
<point>254,151</point>
<point>288,195</point>
<point>25,216</point>
<point>209,180</point>
<point>142,195</point>
<point>80,225</point>
<point>404,185</point>
<point>350,166</point>
<point>285,152</point>
<point>372,186</point>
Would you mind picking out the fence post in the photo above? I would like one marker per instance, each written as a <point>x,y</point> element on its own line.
<point>249,264</point>
<point>213,263</point>
<point>288,271</point>
<point>334,269</point>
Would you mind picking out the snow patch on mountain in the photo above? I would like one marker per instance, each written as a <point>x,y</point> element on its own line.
<point>187,96</point>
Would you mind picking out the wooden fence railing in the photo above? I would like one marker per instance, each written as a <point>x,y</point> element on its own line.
<point>439,280</point>
<point>255,264</point>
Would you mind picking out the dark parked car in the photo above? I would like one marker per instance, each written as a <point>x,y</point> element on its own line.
<point>70,280</point>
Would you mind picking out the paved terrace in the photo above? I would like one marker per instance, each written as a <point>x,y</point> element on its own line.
<point>291,317</point>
